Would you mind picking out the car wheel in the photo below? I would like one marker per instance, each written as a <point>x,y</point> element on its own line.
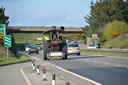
<point>67,54</point>
<point>78,54</point>
<point>65,51</point>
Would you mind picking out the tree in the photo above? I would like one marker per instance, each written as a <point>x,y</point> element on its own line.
<point>105,11</point>
<point>3,20</point>
<point>3,17</point>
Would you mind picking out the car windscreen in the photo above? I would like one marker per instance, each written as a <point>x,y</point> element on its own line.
<point>33,47</point>
<point>73,45</point>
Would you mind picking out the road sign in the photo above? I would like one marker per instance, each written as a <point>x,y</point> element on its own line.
<point>7,41</point>
<point>2,29</point>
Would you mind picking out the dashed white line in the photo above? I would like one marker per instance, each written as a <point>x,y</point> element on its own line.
<point>116,57</point>
<point>95,61</point>
<point>106,63</point>
<point>119,66</point>
<point>80,59</point>
<point>126,67</point>
<point>87,60</point>
<point>123,66</point>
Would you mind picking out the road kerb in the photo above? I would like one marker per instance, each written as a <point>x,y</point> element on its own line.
<point>25,77</point>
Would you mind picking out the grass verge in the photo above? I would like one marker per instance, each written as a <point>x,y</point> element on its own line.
<point>11,60</point>
<point>105,53</point>
<point>31,38</point>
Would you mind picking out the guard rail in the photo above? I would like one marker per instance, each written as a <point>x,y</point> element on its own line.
<point>107,50</point>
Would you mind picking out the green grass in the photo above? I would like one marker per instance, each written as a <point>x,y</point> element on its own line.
<point>10,60</point>
<point>105,53</point>
<point>22,38</point>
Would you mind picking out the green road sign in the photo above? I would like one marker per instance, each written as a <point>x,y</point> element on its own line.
<point>2,29</point>
<point>7,41</point>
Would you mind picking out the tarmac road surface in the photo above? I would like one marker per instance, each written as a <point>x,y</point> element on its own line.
<point>10,75</point>
<point>106,70</point>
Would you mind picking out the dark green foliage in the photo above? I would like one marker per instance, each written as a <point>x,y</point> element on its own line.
<point>3,17</point>
<point>105,11</point>
<point>88,31</point>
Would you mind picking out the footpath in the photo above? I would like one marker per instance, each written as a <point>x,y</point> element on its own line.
<point>37,79</point>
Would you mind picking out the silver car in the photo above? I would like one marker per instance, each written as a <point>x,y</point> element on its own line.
<point>73,48</point>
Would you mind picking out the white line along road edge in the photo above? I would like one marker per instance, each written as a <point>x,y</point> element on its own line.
<point>76,74</point>
<point>25,77</point>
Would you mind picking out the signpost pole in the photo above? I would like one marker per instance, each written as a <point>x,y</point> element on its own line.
<point>7,52</point>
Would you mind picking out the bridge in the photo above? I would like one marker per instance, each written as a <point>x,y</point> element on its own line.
<point>39,29</point>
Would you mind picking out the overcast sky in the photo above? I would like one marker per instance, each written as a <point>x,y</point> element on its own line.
<point>46,12</point>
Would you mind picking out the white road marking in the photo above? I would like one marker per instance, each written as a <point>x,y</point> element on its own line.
<point>25,77</point>
<point>117,57</point>
<point>126,67</point>
<point>80,59</point>
<point>77,75</point>
<point>119,66</point>
<point>87,60</point>
<point>123,66</point>
<point>106,63</point>
<point>95,61</point>
<point>35,58</point>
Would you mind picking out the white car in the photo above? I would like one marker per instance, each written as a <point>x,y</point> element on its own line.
<point>38,47</point>
<point>73,48</point>
<point>91,46</point>
<point>27,48</point>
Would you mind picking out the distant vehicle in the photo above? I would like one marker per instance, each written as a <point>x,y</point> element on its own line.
<point>73,48</point>
<point>38,47</point>
<point>22,48</point>
<point>33,49</point>
<point>27,48</point>
<point>91,46</point>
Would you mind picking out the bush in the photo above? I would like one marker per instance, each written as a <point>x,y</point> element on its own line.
<point>119,42</point>
<point>103,38</point>
<point>114,29</point>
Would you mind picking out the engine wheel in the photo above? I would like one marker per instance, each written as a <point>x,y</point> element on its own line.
<point>45,51</point>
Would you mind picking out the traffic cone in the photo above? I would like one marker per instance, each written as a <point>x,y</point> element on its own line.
<point>38,70</point>
<point>53,79</point>
<point>44,74</point>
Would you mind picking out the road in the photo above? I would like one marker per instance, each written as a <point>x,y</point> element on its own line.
<point>103,69</point>
<point>10,75</point>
